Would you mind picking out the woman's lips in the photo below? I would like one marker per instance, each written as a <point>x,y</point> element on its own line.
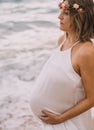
<point>61,23</point>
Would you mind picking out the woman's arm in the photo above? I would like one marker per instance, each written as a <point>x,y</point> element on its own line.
<point>86,65</point>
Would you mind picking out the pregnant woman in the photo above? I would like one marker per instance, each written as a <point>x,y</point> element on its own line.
<point>64,91</point>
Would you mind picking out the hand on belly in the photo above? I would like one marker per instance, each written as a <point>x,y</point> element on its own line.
<point>50,117</point>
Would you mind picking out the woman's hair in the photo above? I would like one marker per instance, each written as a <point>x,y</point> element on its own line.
<point>82,20</point>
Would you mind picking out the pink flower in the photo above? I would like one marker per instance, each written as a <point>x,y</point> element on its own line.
<point>63,5</point>
<point>60,5</point>
<point>80,10</point>
<point>76,6</point>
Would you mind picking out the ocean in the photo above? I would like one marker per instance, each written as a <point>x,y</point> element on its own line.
<point>29,30</point>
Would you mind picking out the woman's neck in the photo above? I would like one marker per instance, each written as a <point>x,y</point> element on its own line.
<point>71,38</point>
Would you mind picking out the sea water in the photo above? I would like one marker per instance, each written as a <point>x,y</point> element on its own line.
<point>28,34</point>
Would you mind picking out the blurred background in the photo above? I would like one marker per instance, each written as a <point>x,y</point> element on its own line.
<point>29,30</point>
<point>28,34</point>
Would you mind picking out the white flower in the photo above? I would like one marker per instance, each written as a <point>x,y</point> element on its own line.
<point>76,6</point>
<point>66,2</point>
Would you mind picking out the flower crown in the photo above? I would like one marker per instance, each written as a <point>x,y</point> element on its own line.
<point>74,8</point>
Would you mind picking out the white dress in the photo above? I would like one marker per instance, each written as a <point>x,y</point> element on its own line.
<point>57,89</point>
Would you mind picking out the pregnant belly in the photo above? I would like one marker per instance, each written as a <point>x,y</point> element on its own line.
<point>38,104</point>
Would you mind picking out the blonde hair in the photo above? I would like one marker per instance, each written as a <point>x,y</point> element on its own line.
<point>83,22</point>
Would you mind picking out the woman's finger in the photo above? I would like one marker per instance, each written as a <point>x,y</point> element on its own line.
<point>45,119</point>
<point>48,113</point>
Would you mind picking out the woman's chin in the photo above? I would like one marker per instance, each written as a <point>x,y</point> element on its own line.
<point>61,28</point>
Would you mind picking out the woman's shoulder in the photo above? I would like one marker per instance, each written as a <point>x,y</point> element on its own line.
<point>86,52</point>
<point>86,65</point>
<point>61,39</point>
<point>87,49</point>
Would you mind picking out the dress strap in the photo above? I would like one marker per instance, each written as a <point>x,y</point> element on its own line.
<point>62,43</point>
<point>75,44</point>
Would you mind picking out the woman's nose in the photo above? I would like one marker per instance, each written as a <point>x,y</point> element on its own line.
<point>60,16</point>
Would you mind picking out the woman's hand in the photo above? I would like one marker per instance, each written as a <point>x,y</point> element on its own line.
<point>50,118</point>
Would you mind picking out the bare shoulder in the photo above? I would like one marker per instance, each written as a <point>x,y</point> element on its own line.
<point>61,39</point>
<point>86,54</point>
<point>87,50</point>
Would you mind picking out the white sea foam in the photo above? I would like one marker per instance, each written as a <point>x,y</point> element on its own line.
<point>27,36</point>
